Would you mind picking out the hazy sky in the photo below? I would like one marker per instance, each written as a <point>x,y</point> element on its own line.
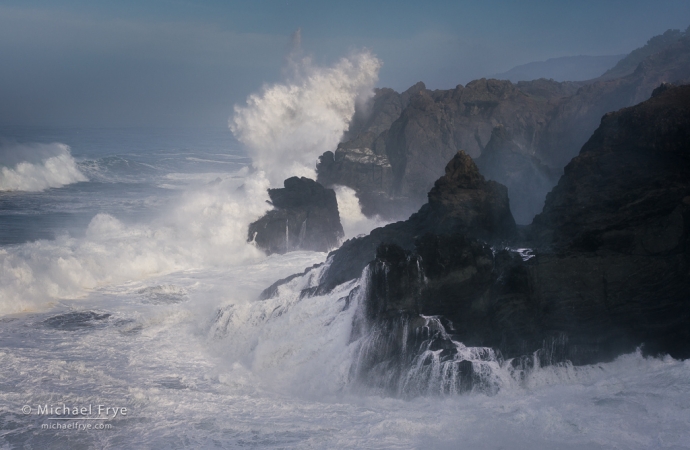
<point>185,62</point>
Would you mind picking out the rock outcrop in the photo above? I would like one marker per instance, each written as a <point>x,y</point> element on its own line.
<point>305,218</point>
<point>393,171</point>
<point>611,269</point>
<point>546,122</point>
<point>575,120</point>
<point>461,202</point>
<point>361,160</point>
<point>604,269</point>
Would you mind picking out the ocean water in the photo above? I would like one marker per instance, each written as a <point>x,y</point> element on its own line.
<point>126,281</point>
<point>130,313</point>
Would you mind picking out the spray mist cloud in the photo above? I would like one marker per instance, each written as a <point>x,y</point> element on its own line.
<point>288,125</point>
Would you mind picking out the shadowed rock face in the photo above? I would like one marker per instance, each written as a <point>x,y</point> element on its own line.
<point>392,170</point>
<point>461,202</point>
<point>575,119</point>
<point>546,123</point>
<point>306,218</point>
<point>608,266</point>
<point>361,161</point>
<point>612,264</point>
<point>625,191</point>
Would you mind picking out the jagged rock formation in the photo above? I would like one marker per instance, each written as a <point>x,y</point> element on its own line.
<point>361,159</point>
<point>392,169</point>
<point>575,119</point>
<point>608,268</point>
<point>397,168</point>
<point>461,202</point>
<point>635,167</point>
<point>612,264</point>
<point>305,218</point>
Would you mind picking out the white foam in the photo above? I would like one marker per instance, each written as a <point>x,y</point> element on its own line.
<point>273,374</point>
<point>288,125</point>
<point>36,167</point>
<point>354,222</point>
<point>290,342</point>
<point>208,228</point>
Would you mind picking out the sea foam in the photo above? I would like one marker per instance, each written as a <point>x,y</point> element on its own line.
<point>206,229</point>
<point>36,167</point>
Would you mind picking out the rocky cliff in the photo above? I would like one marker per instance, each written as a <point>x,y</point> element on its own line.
<point>393,171</point>
<point>305,218</point>
<point>575,119</point>
<point>605,268</point>
<point>545,122</point>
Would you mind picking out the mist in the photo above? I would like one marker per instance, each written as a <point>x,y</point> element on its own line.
<point>182,64</point>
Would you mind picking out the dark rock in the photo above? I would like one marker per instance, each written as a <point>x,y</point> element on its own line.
<point>462,201</point>
<point>361,159</point>
<point>625,190</point>
<point>77,320</point>
<point>575,119</point>
<point>545,122</point>
<point>392,170</point>
<point>305,218</point>
<point>609,270</point>
<point>612,268</point>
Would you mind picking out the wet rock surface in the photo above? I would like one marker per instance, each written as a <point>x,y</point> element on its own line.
<point>604,269</point>
<point>305,218</point>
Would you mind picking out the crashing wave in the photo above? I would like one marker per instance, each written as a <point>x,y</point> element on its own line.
<point>37,167</point>
<point>287,126</point>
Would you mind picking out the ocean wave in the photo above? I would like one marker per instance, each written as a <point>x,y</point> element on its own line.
<point>37,167</point>
<point>207,228</point>
<point>288,125</point>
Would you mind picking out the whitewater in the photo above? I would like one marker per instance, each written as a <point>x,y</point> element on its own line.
<point>126,280</point>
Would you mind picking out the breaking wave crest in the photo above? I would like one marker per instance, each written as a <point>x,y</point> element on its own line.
<point>36,167</point>
<point>287,126</point>
<point>207,229</point>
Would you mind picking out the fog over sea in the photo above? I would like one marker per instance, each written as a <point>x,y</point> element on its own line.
<point>126,280</point>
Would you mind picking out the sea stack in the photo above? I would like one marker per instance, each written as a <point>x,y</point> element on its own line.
<point>305,218</point>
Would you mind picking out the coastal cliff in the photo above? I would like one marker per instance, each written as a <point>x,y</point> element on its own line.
<point>604,269</point>
<point>397,148</point>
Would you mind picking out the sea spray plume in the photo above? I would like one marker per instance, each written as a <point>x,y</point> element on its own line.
<point>288,125</point>
<point>36,167</point>
<point>206,229</point>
